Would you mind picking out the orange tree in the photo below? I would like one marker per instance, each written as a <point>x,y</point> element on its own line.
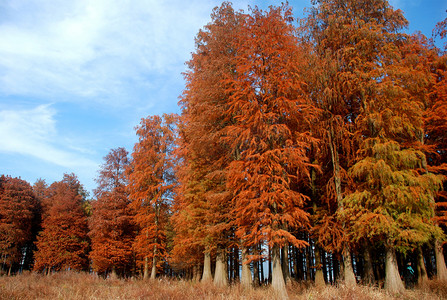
<point>150,188</point>
<point>436,138</point>
<point>366,95</point>
<point>111,226</point>
<point>205,197</point>
<point>63,242</point>
<point>269,135</point>
<point>17,207</point>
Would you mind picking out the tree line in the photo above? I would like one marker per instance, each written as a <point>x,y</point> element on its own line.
<point>308,150</point>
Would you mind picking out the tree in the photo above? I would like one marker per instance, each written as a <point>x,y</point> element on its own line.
<point>205,198</point>
<point>363,83</point>
<point>17,206</point>
<point>111,224</point>
<point>150,187</point>
<point>63,242</point>
<point>436,139</point>
<point>269,135</point>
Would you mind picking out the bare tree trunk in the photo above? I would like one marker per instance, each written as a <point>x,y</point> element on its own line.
<point>154,263</point>
<point>393,282</point>
<point>368,273</point>
<point>196,273</point>
<point>113,275</point>
<point>278,283</point>
<point>220,275</point>
<point>246,279</point>
<point>207,276</point>
<point>285,262</point>
<point>348,271</point>
<point>319,278</point>
<point>256,281</point>
<point>422,271</point>
<point>441,269</point>
<point>146,268</point>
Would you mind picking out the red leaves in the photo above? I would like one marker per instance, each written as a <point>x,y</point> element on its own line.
<point>111,224</point>
<point>62,244</point>
<point>17,206</point>
<point>151,182</point>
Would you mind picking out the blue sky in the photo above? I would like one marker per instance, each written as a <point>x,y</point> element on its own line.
<point>76,77</point>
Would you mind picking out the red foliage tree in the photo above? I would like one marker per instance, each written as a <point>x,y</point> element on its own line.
<point>17,206</point>
<point>204,201</point>
<point>150,188</point>
<point>111,224</point>
<point>436,139</point>
<point>63,243</point>
<point>270,134</point>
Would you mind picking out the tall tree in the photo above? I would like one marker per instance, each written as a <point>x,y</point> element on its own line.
<point>436,139</point>
<point>63,242</point>
<point>353,45</point>
<point>270,134</point>
<point>111,224</point>
<point>17,206</point>
<point>206,154</point>
<point>150,187</point>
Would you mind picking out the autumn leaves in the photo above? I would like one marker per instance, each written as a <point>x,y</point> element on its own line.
<point>329,133</point>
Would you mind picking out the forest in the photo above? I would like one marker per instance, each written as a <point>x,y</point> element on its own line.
<point>306,150</point>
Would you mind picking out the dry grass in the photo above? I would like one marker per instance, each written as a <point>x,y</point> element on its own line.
<point>69,285</point>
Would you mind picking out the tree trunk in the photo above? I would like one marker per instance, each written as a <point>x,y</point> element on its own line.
<point>319,278</point>
<point>246,280</point>
<point>113,275</point>
<point>441,270</point>
<point>393,283</point>
<point>236,264</point>
<point>196,273</point>
<point>278,283</point>
<point>368,272</point>
<point>422,271</point>
<point>207,276</point>
<point>256,281</point>
<point>285,263</point>
<point>348,271</point>
<point>154,263</point>
<point>146,268</point>
<point>220,275</point>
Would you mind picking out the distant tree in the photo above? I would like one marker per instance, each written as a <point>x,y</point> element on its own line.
<point>111,224</point>
<point>63,242</point>
<point>17,207</point>
<point>150,188</point>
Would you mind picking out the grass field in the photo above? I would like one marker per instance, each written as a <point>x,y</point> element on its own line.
<point>71,285</point>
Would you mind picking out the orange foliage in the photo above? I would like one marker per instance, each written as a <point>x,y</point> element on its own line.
<point>62,244</point>
<point>111,226</point>
<point>17,205</point>
<point>269,135</point>
<point>150,187</point>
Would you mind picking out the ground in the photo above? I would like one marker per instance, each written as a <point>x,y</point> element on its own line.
<point>71,285</point>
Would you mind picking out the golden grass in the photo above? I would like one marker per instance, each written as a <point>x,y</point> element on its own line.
<point>77,286</point>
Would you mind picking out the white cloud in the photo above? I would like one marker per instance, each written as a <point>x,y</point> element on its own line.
<point>94,49</point>
<point>33,133</point>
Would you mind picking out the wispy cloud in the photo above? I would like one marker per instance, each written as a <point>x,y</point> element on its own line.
<point>32,132</point>
<point>94,49</point>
